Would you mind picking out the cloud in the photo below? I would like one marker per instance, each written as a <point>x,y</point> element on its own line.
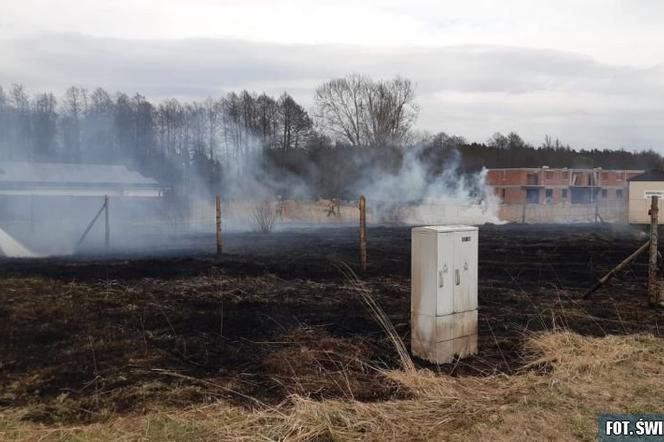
<point>470,90</point>
<point>613,31</point>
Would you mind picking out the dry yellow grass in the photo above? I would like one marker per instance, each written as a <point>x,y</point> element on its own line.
<point>587,376</point>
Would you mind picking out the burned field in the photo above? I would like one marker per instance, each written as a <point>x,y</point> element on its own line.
<point>83,338</point>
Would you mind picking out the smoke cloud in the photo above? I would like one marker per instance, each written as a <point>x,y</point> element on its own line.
<point>414,194</point>
<point>229,147</point>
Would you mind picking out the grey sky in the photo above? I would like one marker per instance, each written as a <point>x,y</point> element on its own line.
<point>590,73</point>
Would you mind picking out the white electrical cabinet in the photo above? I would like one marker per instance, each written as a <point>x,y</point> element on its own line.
<point>444,292</point>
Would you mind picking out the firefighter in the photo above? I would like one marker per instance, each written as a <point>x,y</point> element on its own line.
<point>332,207</point>
<point>280,207</point>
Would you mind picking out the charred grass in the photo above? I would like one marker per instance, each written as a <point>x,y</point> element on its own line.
<point>587,376</point>
<point>279,344</point>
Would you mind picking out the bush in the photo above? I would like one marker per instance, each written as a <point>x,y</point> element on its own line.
<point>264,215</point>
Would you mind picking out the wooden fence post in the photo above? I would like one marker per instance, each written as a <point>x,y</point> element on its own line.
<point>220,240</point>
<point>524,206</point>
<point>523,212</point>
<point>363,233</point>
<point>654,296</point>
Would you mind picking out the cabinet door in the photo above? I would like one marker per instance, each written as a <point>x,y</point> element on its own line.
<point>445,274</point>
<point>424,285</point>
<point>465,271</point>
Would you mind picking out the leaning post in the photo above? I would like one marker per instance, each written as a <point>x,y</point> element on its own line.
<point>363,233</point>
<point>107,230</point>
<point>654,296</point>
<point>220,240</point>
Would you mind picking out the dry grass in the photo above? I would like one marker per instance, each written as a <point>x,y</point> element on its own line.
<point>319,366</point>
<point>379,315</point>
<point>583,377</point>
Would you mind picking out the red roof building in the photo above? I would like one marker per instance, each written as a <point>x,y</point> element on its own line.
<point>544,185</point>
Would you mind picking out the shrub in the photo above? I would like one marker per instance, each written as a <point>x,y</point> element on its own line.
<point>264,215</point>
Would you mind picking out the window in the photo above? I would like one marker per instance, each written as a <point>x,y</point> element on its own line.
<point>565,193</point>
<point>548,196</point>
<point>566,175</point>
<point>504,193</point>
<point>549,175</point>
<point>605,176</point>
<point>605,193</point>
<point>532,196</point>
<point>619,194</point>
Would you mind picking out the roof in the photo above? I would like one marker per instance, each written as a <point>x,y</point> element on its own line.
<point>443,229</point>
<point>11,248</point>
<point>64,173</point>
<point>651,175</point>
<point>564,169</point>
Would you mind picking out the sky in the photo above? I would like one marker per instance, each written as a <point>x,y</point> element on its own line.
<point>590,73</point>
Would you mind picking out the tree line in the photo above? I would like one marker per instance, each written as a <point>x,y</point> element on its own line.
<point>356,124</point>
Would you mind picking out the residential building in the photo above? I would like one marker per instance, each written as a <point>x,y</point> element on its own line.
<point>642,188</point>
<point>544,185</point>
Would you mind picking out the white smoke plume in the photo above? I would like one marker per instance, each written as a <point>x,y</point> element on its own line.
<point>413,195</point>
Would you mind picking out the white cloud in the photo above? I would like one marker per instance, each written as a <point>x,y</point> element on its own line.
<point>468,90</point>
<point>590,72</point>
<point>618,31</point>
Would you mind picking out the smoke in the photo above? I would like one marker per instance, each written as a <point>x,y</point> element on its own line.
<point>403,186</point>
<point>254,176</point>
<point>410,194</point>
<point>413,189</point>
<point>195,162</point>
<point>418,193</point>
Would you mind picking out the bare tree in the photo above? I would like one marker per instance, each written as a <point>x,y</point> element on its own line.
<point>4,122</point>
<point>213,111</point>
<point>170,116</point>
<point>391,111</point>
<point>97,133</point>
<point>197,133</point>
<point>267,118</point>
<point>341,110</point>
<point>295,123</point>
<point>74,104</point>
<point>361,112</point>
<point>144,128</point>
<point>44,127</point>
<point>232,126</point>
<point>18,98</point>
<point>498,141</point>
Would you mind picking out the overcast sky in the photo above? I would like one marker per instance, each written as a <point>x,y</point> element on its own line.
<point>589,72</point>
